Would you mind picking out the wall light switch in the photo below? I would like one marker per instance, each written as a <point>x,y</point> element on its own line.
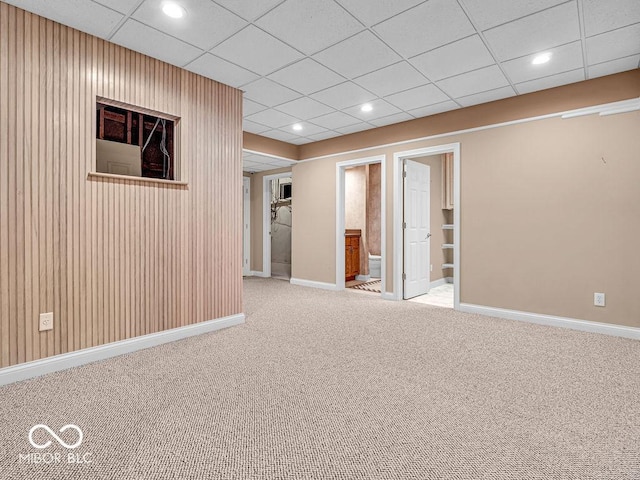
<point>598,299</point>
<point>46,321</point>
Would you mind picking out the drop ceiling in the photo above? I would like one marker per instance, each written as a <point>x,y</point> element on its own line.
<point>315,62</point>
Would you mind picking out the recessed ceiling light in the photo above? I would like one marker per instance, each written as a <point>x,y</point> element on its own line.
<point>367,107</point>
<point>297,127</point>
<point>542,58</point>
<point>173,10</point>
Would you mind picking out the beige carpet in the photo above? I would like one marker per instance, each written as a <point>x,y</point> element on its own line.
<point>326,385</point>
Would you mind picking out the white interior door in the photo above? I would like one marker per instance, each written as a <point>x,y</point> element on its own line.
<point>417,230</point>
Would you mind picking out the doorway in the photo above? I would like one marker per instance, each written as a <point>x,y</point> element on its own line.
<point>360,242</point>
<point>277,215</point>
<point>413,231</point>
<point>246,226</point>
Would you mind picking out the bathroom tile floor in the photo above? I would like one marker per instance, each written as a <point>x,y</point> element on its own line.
<point>441,296</point>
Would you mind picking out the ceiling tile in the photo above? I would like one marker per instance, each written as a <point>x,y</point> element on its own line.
<point>370,13</point>
<point>143,39</point>
<point>482,80</point>
<point>306,76</point>
<point>491,13</point>
<point>220,70</point>
<point>307,129</point>
<point>434,109</point>
<point>344,95</point>
<point>268,93</point>
<point>360,54</point>
<point>280,135</point>
<point>551,81</point>
<point>391,119</point>
<point>88,17</point>
<point>272,118</point>
<point>122,6</point>
<point>394,78</point>
<point>249,107</point>
<point>252,127</point>
<point>324,136</point>
<point>411,32</point>
<point>417,97</point>
<point>205,24</point>
<point>300,141</point>
<point>458,57</point>
<point>535,33</point>
<point>380,109</point>
<point>565,58</point>
<point>304,108</point>
<point>335,120</point>
<point>310,25</point>
<point>602,16</point>
<point>249,10</point>
<point>614,66</point>
<point>257,51</point>
<point>612,45</point>
<point>484,97</point>
<point>355,128</point>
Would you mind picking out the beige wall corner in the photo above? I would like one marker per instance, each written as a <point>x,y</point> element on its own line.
<point>313,242</point>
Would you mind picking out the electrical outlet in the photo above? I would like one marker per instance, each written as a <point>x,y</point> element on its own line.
<point>598,299</point>
<point>46,321</point>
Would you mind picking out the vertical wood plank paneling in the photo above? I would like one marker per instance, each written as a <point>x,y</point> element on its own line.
<point>21,181</point>
<point>113,259</point>
<point>5,331</point>
<point>11,244</point>
<point>33,269</point>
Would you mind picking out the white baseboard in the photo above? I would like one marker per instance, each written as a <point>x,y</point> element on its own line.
<point>259,274</point>
<point>64,361</point>
<point>541,319</point>
<point>312,284</point>
<point>390,296</point>
<point>449,279</point>
<point>363,278</point>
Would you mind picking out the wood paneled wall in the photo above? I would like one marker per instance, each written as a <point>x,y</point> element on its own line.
<point>112,258</point>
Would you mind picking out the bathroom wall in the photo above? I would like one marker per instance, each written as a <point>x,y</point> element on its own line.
<point>374,220</point>
<point>355,214</point>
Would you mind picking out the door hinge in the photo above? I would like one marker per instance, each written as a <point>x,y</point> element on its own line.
<point>404,225</point>
<point>404,276</point>
<point>404,174</point>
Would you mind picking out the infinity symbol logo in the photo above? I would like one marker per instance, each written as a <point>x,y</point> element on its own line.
<point>57,438</point>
